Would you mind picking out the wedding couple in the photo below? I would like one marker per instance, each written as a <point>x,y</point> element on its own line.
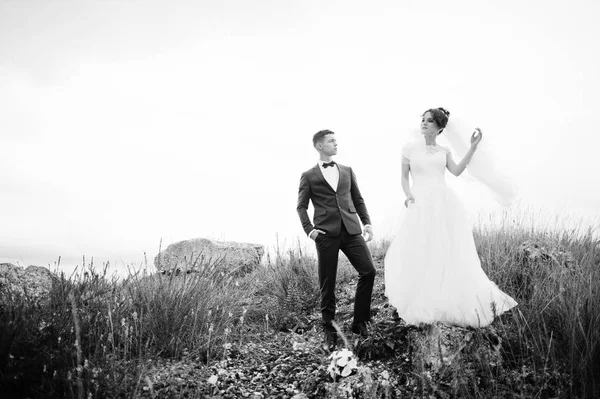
<point>432,270</point>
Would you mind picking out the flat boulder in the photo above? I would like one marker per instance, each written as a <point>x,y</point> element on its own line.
<point>34,282</point>
<point>192,255</point>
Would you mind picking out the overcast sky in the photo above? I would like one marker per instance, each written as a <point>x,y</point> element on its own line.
<point>126,122</point>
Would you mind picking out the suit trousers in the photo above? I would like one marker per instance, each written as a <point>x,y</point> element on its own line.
<point>356,250</point>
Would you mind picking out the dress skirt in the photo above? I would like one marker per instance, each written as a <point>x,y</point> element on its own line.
<point>432,270</point>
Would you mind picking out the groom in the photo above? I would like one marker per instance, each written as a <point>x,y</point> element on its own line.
<point>337,201</point>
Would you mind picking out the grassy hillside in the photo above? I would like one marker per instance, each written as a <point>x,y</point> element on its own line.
<point>101,338</point>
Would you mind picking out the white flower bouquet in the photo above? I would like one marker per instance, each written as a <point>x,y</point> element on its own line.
<point>343,363</point>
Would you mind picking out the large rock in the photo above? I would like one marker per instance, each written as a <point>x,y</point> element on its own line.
<point>192,255</point>
<point>34,282</point>
<point>540,260</point>
<point>538,252</point>
<point>448,356</point>
<point>20,291</point>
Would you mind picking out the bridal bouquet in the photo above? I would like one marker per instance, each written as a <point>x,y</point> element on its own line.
<point>343,362</point>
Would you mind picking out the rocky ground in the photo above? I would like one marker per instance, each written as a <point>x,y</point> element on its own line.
<point>293,364</point>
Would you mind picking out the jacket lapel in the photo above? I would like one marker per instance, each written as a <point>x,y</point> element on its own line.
<point>317,171</point>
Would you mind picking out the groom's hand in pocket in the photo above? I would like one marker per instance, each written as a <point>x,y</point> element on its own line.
<point>315,233</point>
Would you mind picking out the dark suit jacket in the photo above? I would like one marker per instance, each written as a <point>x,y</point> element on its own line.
<point>331,207</point>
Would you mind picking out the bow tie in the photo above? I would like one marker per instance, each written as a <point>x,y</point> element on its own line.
<point>325,165</point>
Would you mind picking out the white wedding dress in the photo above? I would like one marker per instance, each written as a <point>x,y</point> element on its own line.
<point>432,270</point>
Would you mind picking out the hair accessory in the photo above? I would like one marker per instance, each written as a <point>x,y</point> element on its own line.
<point>445,111</point>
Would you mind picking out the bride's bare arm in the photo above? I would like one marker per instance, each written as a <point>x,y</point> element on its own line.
<point>406,184</point>
<point>457,170</point>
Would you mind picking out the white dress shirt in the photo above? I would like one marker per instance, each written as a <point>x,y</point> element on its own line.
<point>331,174</point>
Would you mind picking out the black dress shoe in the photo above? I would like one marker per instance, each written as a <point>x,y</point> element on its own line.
<point>360,327</point>
<point>330,337</point>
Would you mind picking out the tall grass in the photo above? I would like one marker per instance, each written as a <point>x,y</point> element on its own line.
<point>95,334</point>
<point>553,272</point>
<point>288,287</point>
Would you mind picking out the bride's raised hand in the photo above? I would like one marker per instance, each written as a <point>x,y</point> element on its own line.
<point>409,198</point>
<point>476,137</point>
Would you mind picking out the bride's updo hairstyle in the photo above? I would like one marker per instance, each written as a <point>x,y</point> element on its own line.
<point>440,116</point>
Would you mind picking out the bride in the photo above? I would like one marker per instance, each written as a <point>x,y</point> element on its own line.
<point>432,271</point>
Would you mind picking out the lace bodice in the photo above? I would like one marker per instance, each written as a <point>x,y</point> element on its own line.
<point>432,149</point>
<point>427,163</point>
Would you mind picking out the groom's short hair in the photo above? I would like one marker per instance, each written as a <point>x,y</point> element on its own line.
<point>320,135</point>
